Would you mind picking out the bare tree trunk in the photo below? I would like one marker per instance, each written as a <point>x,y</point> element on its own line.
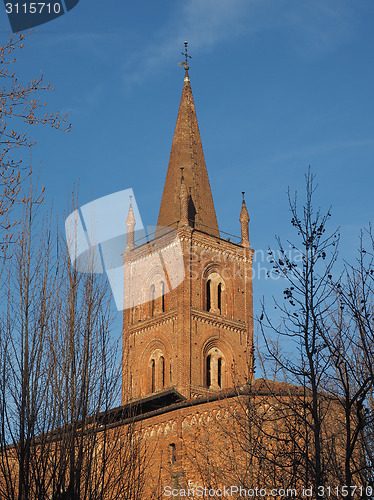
<point>61,376</point>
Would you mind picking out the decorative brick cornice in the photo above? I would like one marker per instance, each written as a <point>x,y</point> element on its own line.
<point>218,321</point>
<point>149,250</point>
<point>153,322</point>
<point>236,253</point>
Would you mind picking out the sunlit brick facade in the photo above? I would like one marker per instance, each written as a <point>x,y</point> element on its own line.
<point>185,344</point>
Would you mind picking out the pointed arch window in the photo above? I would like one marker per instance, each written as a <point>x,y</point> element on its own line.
<point>208,295</point>
<point>219,297</point>
<point>215,299</point>
<point>158,375</point>
<point>153,375</point>
<point>152,297</point>
<point>219,372</point>
<point>208,370</point>
<point>162,362</point>
<point>215,369</point>
<point>162,296</point>
<point>172,453</point>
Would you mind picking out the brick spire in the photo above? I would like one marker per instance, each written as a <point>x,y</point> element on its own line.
<point>187,152</point>
<point>244,220</point>
<point>183,197</point>
<point>130,224</point>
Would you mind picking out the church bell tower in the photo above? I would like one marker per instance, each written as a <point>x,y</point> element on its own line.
<point>195,338</point>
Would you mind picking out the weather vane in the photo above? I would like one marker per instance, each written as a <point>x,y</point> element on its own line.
<point>185,54</point>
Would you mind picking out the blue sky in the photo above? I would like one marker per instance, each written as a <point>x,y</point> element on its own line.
<point>278,85</point>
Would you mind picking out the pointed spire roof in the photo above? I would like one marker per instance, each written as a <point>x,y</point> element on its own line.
<point>130,224</point>
<point>130,221</point>
<point>244,220</point>
<point>187,152</point>
<point>244,216</point>
<point>183,198</point>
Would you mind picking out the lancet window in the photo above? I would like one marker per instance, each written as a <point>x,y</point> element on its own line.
<point>157,298</point>
<point>215,294</point>
<point>172,453</point>
<point>214,369</point>
<point>157,371</point>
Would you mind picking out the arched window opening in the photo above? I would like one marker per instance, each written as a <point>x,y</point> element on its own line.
<point>153,293</point>
<point>172,453</point>
<point>208,295</point>
<point>158,372</point>
<point>153,368</point>
<point>219,373</point>
<point>162,361</point>
<point>215,299</point>
<point>219,297</point>
<point>162,296</point>
<point>214,369</point>
<point>208,370</point>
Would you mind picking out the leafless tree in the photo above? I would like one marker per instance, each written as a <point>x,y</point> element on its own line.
<point>326,335</point>
<point>60,437</point>
<point>255,438</point>
<point>309,422</point>
<point>349,336</point>
<point>19,103</point>
<point>308,303</point>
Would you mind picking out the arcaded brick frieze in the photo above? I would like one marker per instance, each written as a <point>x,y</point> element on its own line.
<point>152,323</point>
<point>212,319</point>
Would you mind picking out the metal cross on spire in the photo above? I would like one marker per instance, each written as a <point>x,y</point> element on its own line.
<point>185,54</point>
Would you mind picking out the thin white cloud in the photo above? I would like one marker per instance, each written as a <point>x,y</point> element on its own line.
<point>315,28</point>
<point>97,44</point>
<point>202,23</point>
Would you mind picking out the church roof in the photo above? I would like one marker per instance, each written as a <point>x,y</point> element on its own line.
<point>187,153</point>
